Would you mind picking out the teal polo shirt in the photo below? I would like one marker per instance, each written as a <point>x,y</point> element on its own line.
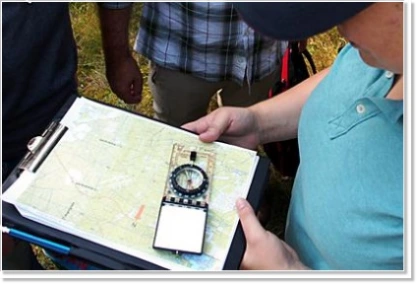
<point>346,210</point>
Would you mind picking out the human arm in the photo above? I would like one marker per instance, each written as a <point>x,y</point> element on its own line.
<point>275,119</point>
<point>122,71</point>
<point>264,250</point>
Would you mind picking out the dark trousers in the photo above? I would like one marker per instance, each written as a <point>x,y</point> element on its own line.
<point>22,256</point>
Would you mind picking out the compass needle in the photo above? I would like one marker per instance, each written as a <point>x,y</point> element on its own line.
<point>189,180</point>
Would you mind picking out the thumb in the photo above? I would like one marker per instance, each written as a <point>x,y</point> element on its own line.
<point>210,135</point>
<point>203,127</point>
<point>199,126</point>
<point>251,226</point>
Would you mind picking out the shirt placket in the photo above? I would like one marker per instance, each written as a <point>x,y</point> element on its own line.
<point>248,51</point>
<point>243,64</point>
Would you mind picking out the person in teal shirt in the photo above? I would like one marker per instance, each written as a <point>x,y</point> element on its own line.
<point>346,210</point>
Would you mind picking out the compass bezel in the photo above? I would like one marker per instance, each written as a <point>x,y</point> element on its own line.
<point>189,193</point>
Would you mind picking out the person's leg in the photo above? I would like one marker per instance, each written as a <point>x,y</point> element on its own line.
<point>20,255</point>
<point>178,97</point>
<point>16,254</point>
<point>235,95</point>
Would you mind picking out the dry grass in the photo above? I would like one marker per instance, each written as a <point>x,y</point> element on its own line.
<point>93,84</point>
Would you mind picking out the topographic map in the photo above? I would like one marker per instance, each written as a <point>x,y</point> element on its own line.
<point>105,178</point>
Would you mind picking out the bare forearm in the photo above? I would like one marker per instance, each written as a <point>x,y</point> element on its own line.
<point>115,32</point>
<point>278,118</point>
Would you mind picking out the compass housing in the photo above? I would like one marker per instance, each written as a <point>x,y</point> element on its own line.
<point>189,181</point>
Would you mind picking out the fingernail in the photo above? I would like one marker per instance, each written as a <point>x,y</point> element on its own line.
<point>240,203</point>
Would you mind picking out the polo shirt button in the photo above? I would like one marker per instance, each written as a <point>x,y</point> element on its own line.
<point>360,108</point>
<point>389,74</point>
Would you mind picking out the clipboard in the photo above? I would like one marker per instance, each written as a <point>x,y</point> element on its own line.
<point>108,258</point>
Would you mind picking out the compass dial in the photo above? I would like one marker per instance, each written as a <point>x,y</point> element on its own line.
<point>189,180</point>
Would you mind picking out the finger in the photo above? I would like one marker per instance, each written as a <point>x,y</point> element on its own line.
<point>210,127</point>
<point>198,126</point>
<point>210,135</point>
<point>251,226</point>
<point>126,94</point>
<point>218,123</point>
<point>122,92</point>
<point>137,88</point>
<point>135,92</point>
<point>131,99</point>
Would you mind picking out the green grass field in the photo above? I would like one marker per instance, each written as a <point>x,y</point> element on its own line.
<point>93,84</point>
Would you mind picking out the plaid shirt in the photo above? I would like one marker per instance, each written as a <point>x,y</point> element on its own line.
<point>207,39</point>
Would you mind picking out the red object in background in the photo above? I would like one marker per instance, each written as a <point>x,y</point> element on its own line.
<point>285,154</point>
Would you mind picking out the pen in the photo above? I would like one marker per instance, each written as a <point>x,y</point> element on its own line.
<point>37,240</point>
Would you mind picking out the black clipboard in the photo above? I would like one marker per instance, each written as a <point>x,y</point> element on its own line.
<point>108,258</point>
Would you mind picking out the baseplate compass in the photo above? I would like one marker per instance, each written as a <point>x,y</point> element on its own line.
<point>184,206</point>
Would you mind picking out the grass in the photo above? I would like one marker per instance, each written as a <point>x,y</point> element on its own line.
<point>93,84</point>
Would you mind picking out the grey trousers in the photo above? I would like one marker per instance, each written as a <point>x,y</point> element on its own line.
<point>180,98</point>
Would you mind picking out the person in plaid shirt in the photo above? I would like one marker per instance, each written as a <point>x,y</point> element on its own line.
<point>195,50</point>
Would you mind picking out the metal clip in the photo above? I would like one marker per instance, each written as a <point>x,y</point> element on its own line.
<point>39,147</point>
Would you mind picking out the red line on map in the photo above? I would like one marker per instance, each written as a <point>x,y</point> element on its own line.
<point>139,213</point>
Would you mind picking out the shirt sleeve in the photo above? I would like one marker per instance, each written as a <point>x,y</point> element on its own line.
<point>115,5</point>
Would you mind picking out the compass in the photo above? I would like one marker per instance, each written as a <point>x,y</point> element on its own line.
<point>189,181</point>
<point>185,202</point>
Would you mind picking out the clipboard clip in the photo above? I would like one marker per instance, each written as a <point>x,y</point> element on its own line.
<point>39,147</point>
